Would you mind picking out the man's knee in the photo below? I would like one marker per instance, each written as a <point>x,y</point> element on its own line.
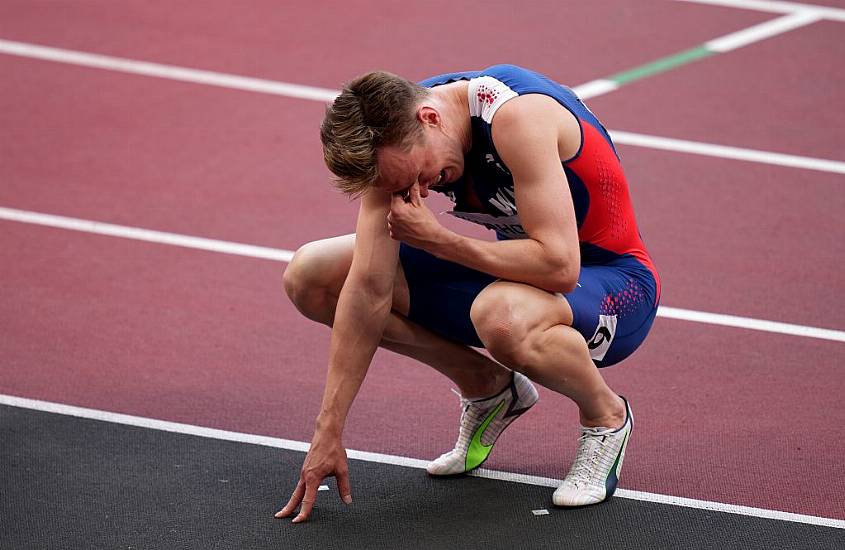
<point>504,325</point>
<point>309,281</point>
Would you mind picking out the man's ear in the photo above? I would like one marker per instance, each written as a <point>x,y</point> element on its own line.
<point>427,114</point>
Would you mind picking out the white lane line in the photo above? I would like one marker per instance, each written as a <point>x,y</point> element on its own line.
<point>762,31</point>
<point>171,72</point>
<point>280,255</point>
<point>595,88</point>
<point>589,89</point>
<point>301,446</point>
<point>138,234</point>
<point>727,152</point>
<point>751,324</point>
<point>722,44</point>
<point>668,499</point>
<point>826,12</point>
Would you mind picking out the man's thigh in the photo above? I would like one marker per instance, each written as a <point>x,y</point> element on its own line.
<point>613,308</point>
<point>441,294</point>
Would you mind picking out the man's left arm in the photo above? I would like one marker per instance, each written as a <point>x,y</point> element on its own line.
<point>526,131</point>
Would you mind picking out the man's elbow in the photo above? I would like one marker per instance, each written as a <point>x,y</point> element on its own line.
<point>565,274</point>
<point>564,285</point>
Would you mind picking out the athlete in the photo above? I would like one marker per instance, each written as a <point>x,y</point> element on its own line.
<point>567,287</point>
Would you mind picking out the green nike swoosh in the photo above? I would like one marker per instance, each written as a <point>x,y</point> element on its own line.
<point>477,452</point>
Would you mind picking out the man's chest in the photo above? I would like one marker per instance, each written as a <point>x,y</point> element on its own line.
<point>489,184</point>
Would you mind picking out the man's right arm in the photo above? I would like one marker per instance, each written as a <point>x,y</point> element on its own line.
<point>362,311</point>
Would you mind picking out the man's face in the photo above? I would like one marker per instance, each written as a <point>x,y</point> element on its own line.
<point>434,161</point>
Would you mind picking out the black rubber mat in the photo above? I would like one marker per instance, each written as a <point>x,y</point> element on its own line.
<point>72,483</point>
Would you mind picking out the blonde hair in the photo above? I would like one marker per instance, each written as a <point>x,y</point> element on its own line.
<point>374,110</point>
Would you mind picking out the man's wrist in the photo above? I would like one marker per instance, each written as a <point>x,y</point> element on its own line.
<point>329,423</point>
<point>444,245</point>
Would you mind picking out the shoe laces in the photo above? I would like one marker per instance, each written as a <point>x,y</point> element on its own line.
<point>465,405</point>
<point>590,446</point>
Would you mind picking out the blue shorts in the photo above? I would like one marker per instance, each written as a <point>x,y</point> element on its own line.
<point>613,305</point>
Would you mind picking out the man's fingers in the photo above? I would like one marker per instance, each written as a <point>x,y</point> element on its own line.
<point>415,194</point>
<point>307,502</point>
<point>344,488</point>
<point>398,199</point>
<point>293,502</point>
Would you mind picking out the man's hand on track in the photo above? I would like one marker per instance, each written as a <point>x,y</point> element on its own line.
<point>325,458</point>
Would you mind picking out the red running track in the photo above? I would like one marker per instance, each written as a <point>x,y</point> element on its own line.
<point>723,414</point>
<point>189,336</point>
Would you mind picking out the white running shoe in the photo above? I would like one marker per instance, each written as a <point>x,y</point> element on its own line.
<point>482,422</point>
<point>595,473</point>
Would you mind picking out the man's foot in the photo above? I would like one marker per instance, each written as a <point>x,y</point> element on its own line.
<point>595,473</point>
<point>482,421</point>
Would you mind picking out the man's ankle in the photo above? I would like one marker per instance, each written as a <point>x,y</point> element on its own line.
<point>488,387</point>
<point>611,416</point>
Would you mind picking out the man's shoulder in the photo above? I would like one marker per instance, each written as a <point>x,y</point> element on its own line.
<point>531,108</point>
<point>525,123</point>
<point>531,112</point>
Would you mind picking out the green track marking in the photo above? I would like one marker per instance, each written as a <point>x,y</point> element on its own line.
<point>661,65</point>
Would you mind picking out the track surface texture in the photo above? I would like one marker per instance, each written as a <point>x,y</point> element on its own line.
<point>77,483</point>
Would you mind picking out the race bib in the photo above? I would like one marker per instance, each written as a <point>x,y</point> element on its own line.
<point>507,226</point>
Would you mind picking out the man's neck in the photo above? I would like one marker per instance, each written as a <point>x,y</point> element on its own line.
<point>455,102</point>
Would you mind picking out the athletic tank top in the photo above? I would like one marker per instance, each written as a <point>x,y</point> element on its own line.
<point>607,229</point>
